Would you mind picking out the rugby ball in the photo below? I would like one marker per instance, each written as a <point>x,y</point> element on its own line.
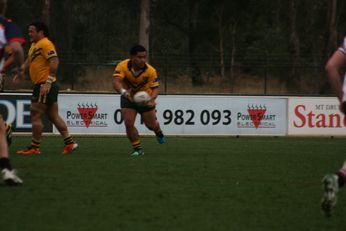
<point>141,97</point>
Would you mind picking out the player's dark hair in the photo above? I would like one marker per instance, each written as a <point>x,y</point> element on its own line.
<point>138,48</point>
<point>41,26</point>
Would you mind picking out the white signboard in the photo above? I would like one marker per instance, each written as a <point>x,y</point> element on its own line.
<point>180,115</point>
<point>222,115</point>
<point>315,116</point>
<point>90,114</point>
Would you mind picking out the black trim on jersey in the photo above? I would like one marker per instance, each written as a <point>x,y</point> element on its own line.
<point>35,53</point>
<point>129,66</point>
<point>55,56</point>
<point>134,87</point>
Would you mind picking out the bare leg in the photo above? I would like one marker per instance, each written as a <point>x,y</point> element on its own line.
<point>36,111</point>
<point>52,112</point>
<point>3,142</point>
<point>150,121</point>
<point>8,175</point>
<point>129,116</point>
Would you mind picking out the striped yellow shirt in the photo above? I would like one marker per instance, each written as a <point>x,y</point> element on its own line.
<point>39,55</point>
<point>144,80</point>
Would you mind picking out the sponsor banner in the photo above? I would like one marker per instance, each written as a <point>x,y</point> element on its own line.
<point>315,116</point>
<point>222,115</point>
<point>180,115</point>
<point>88,114</point>
<point>15,109</point>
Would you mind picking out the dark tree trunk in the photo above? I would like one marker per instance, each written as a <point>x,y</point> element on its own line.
<point>233,50</point>
<point>144,25</point>
<point>196,75</point>
<point>332,26</point>
<point>45,11</point>
<point>293,83</point>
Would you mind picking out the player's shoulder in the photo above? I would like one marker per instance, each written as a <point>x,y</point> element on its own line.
<point>45,42</point>
<point>123,64</point>
<point>151,69</point>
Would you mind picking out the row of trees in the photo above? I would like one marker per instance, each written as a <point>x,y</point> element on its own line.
<point>190,35</point>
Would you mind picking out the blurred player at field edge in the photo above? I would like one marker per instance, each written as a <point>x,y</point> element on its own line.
<point>4,65</point>
<point>130,76</point>
<point>42,63</point>
<point>11,35</point>
<point>333,182</point>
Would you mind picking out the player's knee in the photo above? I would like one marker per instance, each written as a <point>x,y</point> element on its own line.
<point>36,123</point>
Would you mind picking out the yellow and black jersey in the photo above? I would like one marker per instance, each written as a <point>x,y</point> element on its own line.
<point>39,55</point>
<point>144,80</point>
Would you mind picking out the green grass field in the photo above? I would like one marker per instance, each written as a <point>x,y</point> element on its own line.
<point>186,184</point>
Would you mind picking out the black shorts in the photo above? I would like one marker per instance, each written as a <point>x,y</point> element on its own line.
<point>126,103</point>
<point>48,99</point>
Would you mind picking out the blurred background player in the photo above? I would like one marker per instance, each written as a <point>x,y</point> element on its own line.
<point>130,76</point>
<point>11,35</point>
<point>5,64</point>
<point>42,63</point>
<point>333,182</point>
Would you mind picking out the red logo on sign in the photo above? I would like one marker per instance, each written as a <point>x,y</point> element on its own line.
<point>87,112</point>
<point>256,113</point>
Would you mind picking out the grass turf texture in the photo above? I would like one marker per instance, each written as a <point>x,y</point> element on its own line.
<point>186,184</point>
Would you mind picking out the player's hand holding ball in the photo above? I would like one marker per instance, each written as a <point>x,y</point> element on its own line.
<point>142,98</point>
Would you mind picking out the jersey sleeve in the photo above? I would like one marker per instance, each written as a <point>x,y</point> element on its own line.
<point>342,48</point>
<point>154,80</point>
<point>48,51</point>
<point>119,71</point>
<point>13,33</point>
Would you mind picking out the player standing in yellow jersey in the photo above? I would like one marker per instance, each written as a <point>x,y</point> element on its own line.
<point>42,63</point>
<point>130,76</point>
